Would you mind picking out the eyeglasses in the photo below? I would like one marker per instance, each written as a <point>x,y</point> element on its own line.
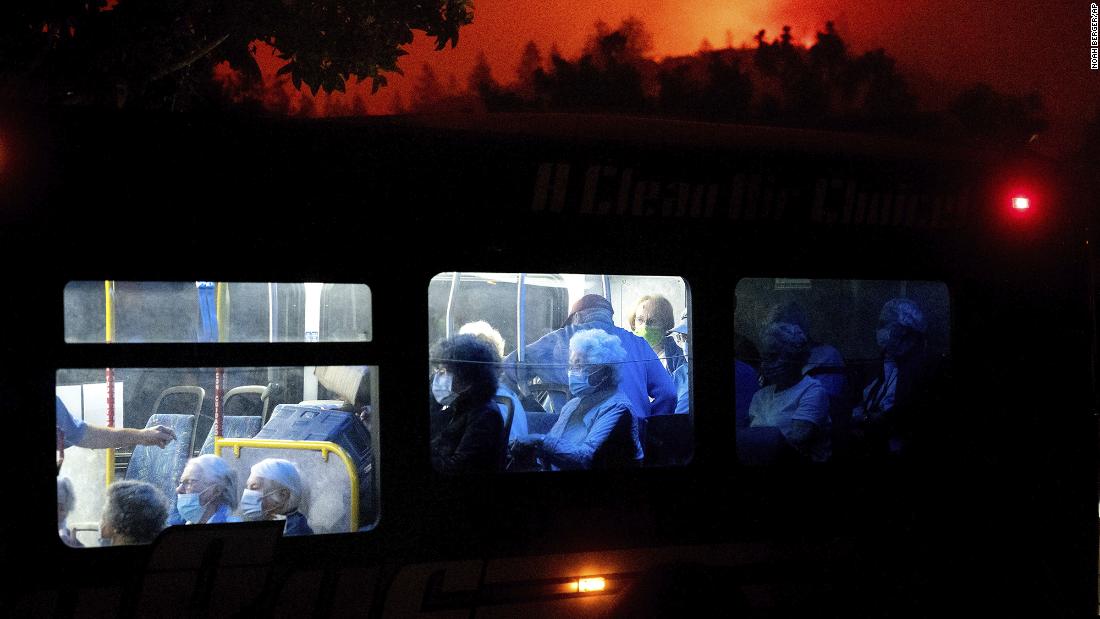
<point>679,338</point>
<point>190,485</point>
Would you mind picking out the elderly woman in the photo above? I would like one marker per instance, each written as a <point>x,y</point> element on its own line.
<point>597,428</point>
<point>66,501</point>
<point>651,320</point>
<point>464,381</point>
<point>208,492</point>
<point>134,514</point>
<point>274,492</point>
<point>792,403</point>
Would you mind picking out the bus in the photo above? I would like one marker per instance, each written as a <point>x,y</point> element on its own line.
<point>225,274</point>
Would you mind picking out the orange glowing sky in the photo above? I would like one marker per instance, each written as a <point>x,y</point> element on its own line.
<point>1017,46</point>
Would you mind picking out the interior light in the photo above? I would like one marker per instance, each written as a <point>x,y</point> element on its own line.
<point>588,585</point>
<point>1021,203</point>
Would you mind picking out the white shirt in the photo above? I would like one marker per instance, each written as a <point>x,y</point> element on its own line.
<point>804,401</point>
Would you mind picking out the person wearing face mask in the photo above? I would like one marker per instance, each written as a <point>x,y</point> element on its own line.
<point>487,333</point>
<point>597,429</point>
<point>135,513</point>
<point>274,491</point>
<point>881,416</point>
<point>208,492</point>
<point>464,381</point>
<point>793,404</point>
<point>643,379</point>
<point>651,320</point>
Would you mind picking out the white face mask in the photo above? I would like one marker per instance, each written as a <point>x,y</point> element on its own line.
<point>441,389</point>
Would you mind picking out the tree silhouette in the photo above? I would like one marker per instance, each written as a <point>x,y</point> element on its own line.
<point>159,53</point>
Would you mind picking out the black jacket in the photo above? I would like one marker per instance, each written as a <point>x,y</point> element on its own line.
<point>472,441</point>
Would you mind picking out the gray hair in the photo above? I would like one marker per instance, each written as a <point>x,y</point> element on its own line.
<point>213,470</point>
<point>485,330</point>
<point>278,473</point>
<point>598,347</point>
<point>66,494</point>
<point>136,510</point>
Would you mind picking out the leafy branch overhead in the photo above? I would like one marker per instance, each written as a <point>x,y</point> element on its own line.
<point>141,51</point>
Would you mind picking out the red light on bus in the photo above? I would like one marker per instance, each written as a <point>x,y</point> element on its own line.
<point>1021,203</point>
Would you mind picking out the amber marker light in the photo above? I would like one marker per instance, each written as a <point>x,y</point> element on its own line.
<point>591,585</point>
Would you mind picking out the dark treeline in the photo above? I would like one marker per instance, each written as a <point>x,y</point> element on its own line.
<point>777,82</point>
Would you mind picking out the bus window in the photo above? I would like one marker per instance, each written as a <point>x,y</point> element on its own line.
<point>834,369</point>
<point>134,312</point>
<point>596,384</point>
<point>308,457</point>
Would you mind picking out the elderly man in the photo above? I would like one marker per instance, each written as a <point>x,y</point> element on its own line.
<point>274,492</point>
<point>641,376</point>
<point>597,428</point>
<point>794,404</point>
<point>134,514</point>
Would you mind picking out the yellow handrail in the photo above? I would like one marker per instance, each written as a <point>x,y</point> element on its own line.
<point>109,336</point>
<point>324,447</point>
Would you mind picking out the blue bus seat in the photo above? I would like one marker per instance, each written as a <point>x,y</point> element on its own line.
<point>163,467</point>
<point>234,426</point>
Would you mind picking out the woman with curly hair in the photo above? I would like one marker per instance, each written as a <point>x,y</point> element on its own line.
<point>464,381</point>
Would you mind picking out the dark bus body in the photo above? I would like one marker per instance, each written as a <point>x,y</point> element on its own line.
<point>993,512</point>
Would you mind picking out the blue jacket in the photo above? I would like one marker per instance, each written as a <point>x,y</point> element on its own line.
<point>603,436</point>
<point>296,524</point>
<point>641,379</point>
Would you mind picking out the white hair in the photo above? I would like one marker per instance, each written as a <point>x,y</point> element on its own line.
<point>66,495</point>
<point>486,330</point>
<point>213,470</point>
<point>284,474</point>
<point>598,347</point>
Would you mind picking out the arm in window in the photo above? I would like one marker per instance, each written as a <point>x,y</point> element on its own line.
<point>100,437</point>
<point>809,418</point>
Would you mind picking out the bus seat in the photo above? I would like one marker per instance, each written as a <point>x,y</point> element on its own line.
<point>163,467</point>
<point>198,392</point>
<point>540,423</point>
<point>551,396</point>
<point>668,439</point>
<point>506,430</point>
<point>234,426</point>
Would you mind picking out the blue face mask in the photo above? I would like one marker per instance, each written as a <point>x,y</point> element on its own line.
<point>578,383</point>
<point>581,381</point>
<point>190,507</point>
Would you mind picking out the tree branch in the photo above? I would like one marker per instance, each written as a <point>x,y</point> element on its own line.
<point>190,60</point>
